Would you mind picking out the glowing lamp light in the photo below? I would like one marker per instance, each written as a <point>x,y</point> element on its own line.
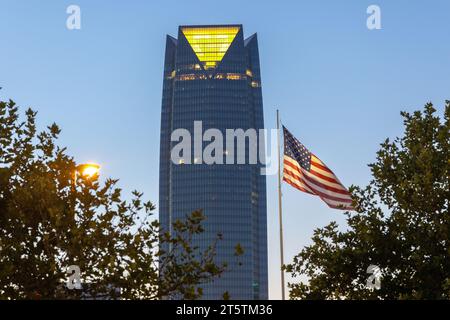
<point>88,170</point>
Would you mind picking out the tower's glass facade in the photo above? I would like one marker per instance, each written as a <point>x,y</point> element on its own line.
<point>211,74</point>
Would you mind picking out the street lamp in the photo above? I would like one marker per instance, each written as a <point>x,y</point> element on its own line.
<point>87,171</point>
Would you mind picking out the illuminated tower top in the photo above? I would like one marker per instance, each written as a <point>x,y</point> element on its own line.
<point>210,43</point>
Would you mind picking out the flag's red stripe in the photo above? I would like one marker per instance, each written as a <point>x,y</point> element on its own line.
<point>340,208</point>
<point>316,173</point>
<point>320,166</point>
<point>318,192</point>
<point>321,176</point>
<point>291,161</point>
<point>324,195</point>
<point>291,165</point>
<point>296,180</point>
<point>297,186</point>
<point>324,186</point>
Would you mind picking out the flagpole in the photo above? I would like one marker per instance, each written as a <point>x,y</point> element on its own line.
<point>280,215</point>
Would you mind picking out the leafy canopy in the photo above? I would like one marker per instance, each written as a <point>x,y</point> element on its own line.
<point>51,219</point>
<point>402,224</point>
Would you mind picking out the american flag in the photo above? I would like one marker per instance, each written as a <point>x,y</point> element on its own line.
<point>307,173</point>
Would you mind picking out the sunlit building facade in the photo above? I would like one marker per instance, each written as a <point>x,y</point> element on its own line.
<point>211,74</point>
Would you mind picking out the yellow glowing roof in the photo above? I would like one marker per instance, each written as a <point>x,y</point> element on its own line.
<point>210,43</point>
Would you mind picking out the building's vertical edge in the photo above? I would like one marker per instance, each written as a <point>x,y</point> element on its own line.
<point>256,96</point>
<point>166,115</point>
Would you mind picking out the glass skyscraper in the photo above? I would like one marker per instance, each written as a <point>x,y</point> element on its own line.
<point>212,75</point>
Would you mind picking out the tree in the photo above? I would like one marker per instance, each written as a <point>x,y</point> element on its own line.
<point>51,219</point>
<point>402,224</point>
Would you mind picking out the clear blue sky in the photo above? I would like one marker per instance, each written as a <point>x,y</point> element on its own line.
<point>339,86</point>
